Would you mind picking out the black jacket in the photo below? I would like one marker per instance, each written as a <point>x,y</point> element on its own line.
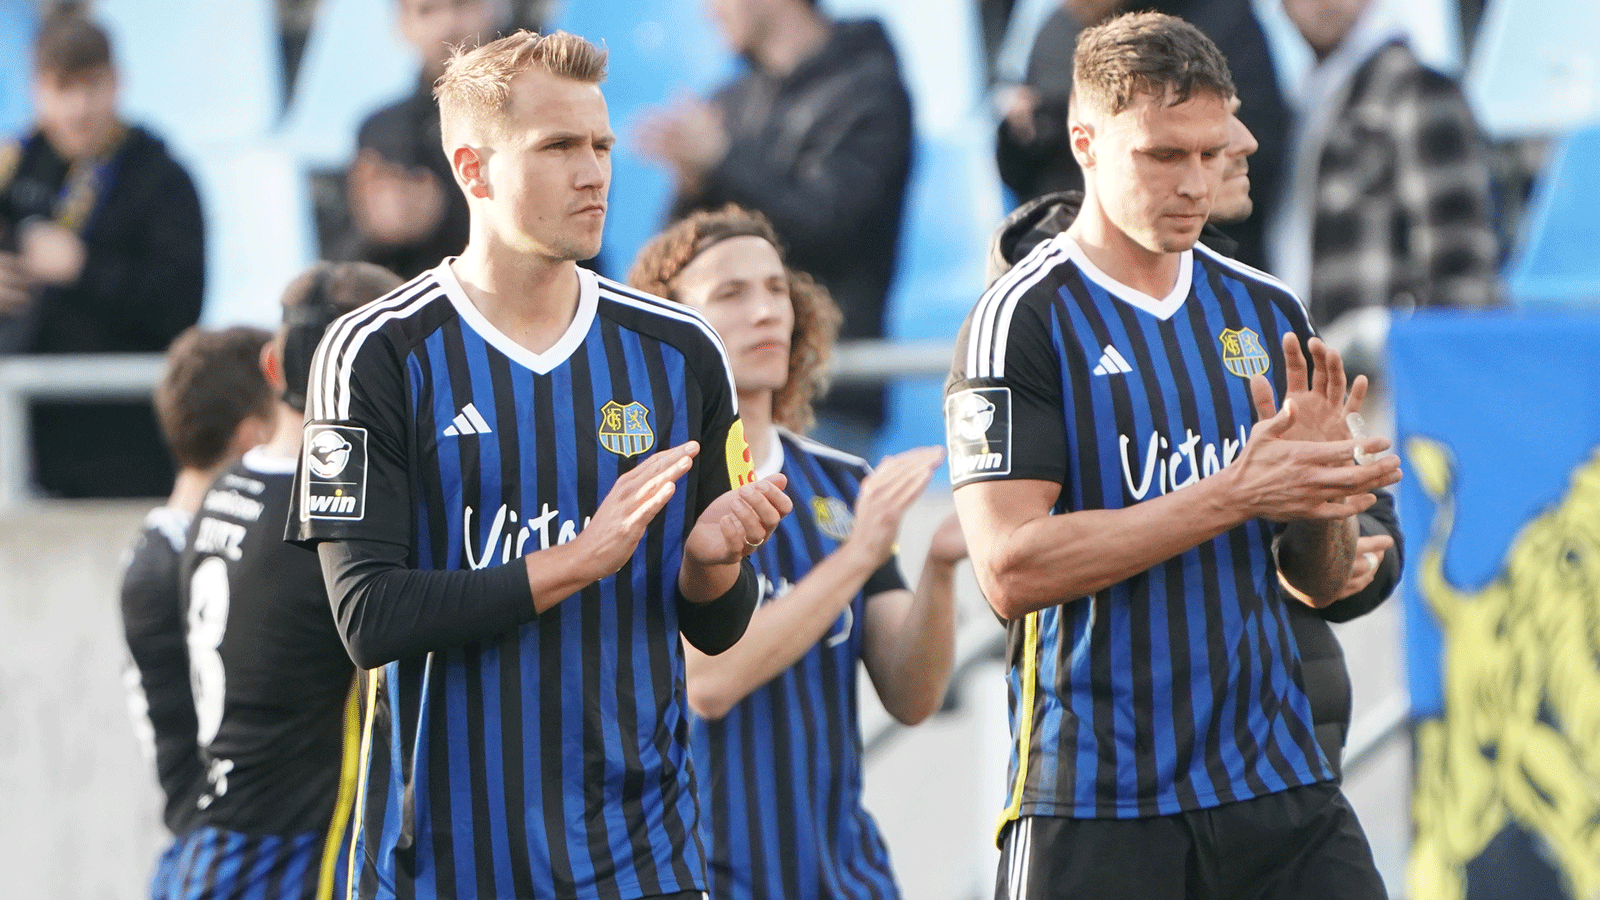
<point>144,274</point>
<point>142,283</point>
<point>825,153</point>
<point>1322,663</point>
<point>407,134</point>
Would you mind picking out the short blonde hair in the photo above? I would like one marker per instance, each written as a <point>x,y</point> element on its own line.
<point>475,89</point>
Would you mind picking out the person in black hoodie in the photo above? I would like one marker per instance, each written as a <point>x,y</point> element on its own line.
<point>816,136</point>
<point>1381,546</point>
<point>405,211</point>
<point>101,251</point>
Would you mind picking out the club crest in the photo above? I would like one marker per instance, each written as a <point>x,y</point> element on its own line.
<point>625,430</point>
<point>834,519</point>
<point>1242,352</point>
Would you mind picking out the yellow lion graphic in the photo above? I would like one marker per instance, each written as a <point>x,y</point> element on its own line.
<point>1519,741</point>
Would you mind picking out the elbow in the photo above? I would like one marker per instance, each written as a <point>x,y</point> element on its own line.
<point>916,710</point>
<point>1007,594</point>
<point>708,701</point>
<point>367,654</point>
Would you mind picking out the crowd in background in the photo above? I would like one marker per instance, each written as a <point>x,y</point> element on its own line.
<point>1374,188</point>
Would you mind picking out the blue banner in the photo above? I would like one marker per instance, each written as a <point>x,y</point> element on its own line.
<point>1498,423</point>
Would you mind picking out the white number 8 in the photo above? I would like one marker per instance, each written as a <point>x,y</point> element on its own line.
<point>208,623</point>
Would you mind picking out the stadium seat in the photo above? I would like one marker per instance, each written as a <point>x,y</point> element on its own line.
<point>1534,70</point>
<point>18,21</point>
<point>259,232</point>
<point>200,72</point>
<point>954,200</point>
<point>1555,262</point>
<point>355,62</point>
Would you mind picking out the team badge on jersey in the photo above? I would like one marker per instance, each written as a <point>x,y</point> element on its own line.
<point>978,430</point>
<point>625,430</point>
<point>834,519</point>
<point>741,471</point>
<point>1242,352</point>
<point>335,486</point>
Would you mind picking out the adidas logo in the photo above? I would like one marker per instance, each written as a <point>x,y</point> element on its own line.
<point>468,421</point>
<point>1111,363</point>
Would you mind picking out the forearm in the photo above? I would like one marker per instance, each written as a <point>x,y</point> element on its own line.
<point>921,653</point>
<point>779,634</point>
<point>1315,557</point>
<point>702,583</point>
<point>386,611</point>
<point>1051,560</point>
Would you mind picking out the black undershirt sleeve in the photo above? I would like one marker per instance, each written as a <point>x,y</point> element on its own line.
<point>715,626</point>
<point>386,611</point>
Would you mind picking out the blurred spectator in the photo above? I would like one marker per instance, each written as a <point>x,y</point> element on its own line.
<point>816,135</point>
<point>405,211</point>
<point>1031,147</point>
<point>1389,201</point>
<point>101,250</point>
<point>1233,26</point>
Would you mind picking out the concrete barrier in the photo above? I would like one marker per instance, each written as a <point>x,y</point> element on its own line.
<point>79,808</point>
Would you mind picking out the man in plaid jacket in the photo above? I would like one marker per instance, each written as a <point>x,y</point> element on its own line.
<point>1389,204</point>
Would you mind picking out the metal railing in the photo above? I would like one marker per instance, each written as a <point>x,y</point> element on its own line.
<point>85,377</point>
<point>133,376</point>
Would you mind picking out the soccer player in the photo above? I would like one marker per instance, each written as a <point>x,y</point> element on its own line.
<point>1379,550</point>
<point>212,404</point>
<point>525,482</point>
<point>272,683</point>
<point>776,738</point>
<point>1131,495</point>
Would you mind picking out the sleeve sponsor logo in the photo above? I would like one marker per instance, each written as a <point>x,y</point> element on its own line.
<point>335,479</point>
<point>978,431</point>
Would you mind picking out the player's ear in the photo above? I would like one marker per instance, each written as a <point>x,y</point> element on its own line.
<point>471,166</point>
<point>272,363</point>
<point>1081,136</point>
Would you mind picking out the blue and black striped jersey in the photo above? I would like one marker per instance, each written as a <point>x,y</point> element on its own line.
<point>1180,688</point>
<point>545,756</point>
<point>780,774</point>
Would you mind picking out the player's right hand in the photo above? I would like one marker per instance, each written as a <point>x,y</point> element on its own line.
<point>886,494</point>
<point>1284,480</point>
<point>615,529</point>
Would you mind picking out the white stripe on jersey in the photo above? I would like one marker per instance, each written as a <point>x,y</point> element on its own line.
<point>318,395</point>
<point>817,449</point>
<point>330,370</point>
<point>1255,273</point>
<point>651,303</point>
<point>991,320</point>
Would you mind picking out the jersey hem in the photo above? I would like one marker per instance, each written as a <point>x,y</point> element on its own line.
<point>1135,810</point>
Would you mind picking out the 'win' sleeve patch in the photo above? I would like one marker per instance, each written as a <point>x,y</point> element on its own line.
<point>978,431</point>
<point>335,483</point>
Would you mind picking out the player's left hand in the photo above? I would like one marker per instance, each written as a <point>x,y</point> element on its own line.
<point>1320,399</point>
<point>738,522</point>
<point>1368,558</point>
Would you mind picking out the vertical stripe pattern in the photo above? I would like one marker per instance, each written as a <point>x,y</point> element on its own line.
<point>1179,688</point>
<point>551,760</point>
<point>780,774</point>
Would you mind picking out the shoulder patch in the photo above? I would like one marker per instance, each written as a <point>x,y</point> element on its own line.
<point>335,482</point>
<point>978,431</point>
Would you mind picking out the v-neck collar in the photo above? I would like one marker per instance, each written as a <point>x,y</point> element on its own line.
<point>1162,308</point>
<point>540,363</point>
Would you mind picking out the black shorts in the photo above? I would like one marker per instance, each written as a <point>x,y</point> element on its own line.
<point>1301,844</point>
